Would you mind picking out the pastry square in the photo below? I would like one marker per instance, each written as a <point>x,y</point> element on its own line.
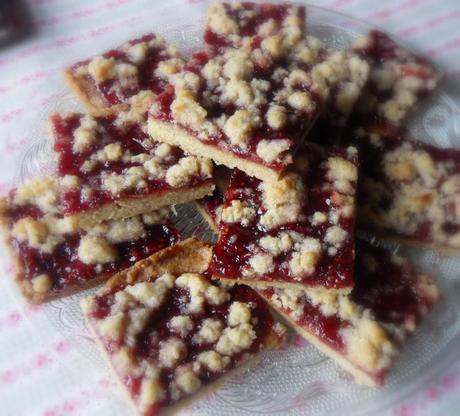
<point>231,24</point>
<point>107,83</point>
<point>362,331</point>
<point>171,334</point>
<point>54,257</point>
<point>109,168</point>
<point>297,232</point>
<point>399,80</point>
<point>248,105</point>
<point>409,190</point>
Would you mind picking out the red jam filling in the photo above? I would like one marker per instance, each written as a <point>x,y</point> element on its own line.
<point>113,91</point>
<point>231,253</point>
<point>294,132</point>
<point>381,49</point>
<point>325,328</point>
<point>390,290</point>
<point>63,265</point>
<point>130,137</point>
<point>372,167</point>
<point>157,328</point>
<point>248,24</point>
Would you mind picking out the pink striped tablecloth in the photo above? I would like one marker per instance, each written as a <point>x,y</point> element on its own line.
<point>40,370</point>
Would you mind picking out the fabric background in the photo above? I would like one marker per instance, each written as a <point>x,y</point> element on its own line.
<point>33,356</point>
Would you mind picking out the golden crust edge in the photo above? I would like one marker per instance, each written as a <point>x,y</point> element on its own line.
<point>93,102</point>
<point>261,284</point>
<point>126,208</point>
<point>195,255</point>
<point>177,136</point>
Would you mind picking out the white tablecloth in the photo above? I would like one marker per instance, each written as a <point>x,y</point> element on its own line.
<point>40,370</point>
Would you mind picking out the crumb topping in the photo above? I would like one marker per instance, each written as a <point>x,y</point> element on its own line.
<point>151,334</point>
<point>137,67</point>
<point>398,82</point>
<point>412,190</point>
<point>273,231</point>
<point>355,325</point>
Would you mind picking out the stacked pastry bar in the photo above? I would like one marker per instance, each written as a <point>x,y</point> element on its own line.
<point>308,139</point>
<point>107,205</point>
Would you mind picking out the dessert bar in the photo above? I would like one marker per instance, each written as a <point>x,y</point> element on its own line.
<point>171,334</point>
<point>54,257</point>
<point>408,189</point>
<point>109,168</point>
<point>398,81</point>
<point>250,105</point>
<point>362,331</point>
<point>294,232</point>
<point>109,82</point>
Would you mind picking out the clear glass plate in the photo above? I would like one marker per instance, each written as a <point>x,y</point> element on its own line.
<point>297,380</point>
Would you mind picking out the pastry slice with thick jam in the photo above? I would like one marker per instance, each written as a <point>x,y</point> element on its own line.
<point>409,190</point>
<point>172,334</point>
<point>349,75</point>
<point>231,24</point>
<point>54,257</point>
<point>109,168</point>
<point>362,331</point>
<point>399,80</point>
<point>107,83</point>
<point>247,106</point>
<point>297,232</point>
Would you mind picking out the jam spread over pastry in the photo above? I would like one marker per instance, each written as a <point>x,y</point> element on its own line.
<point>409,189</point>
<point>55,257</point>
<point>362,331</point>
<point>168,335</point>
<point>298,231</point>
<point>109,167</point>
<point>109,82</point>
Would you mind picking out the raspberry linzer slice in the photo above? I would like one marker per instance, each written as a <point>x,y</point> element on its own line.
<point>295,232</point>
<point>54,257</point>
<point>398,81</point>
<point>408,189</point>
<point>110,168</point>
<point>247,107</point>
<point>231,24</point>
<point>107,83</point>
<point>362,331</point>
<point>171,334</point>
